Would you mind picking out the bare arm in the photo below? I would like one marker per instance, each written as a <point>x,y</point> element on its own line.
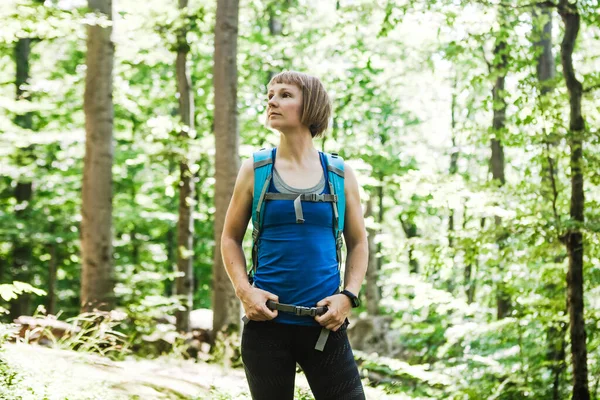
<point>236,221</point>
<point>355,236</point>
<point>357,247</point>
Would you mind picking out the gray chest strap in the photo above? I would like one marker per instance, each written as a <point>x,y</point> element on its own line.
<point>299,198</point>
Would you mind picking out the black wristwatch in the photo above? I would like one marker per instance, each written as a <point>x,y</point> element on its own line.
<point>353,298</point>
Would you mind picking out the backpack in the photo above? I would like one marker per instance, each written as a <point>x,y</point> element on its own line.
<point>263,173</point>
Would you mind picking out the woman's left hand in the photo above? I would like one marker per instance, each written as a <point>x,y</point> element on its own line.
<point>339,308</point>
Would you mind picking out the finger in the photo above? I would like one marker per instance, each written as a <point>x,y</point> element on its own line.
<point>334,326</point>
<point>267,312</point>
<point>272,313</point>
<point>269,295</point>
<point>327,323</point>
<point>322,319</point>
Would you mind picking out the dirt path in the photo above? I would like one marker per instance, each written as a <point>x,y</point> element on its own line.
<point>51,374</point>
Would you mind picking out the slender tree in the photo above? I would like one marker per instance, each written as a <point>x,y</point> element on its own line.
<point>471,260</point>
<point>185,226</point>
<point>97,280</point>
<point>225,304</point>
<point>275,29</point>
<point>22,248</point>
<point>453,158</point>
<point>545,71</point>
<point>52,267</point>
<point>411,231</point>
<point>574,237</point>
<point>371,288</point>
<point>499,68</point>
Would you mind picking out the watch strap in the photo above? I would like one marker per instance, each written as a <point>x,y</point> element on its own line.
<point>353,298</point>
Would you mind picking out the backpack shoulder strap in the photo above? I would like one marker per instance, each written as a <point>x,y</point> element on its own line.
<point>335,172</point>
<point>263,168</point>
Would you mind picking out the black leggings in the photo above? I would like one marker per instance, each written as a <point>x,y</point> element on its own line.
<point>271,350</point>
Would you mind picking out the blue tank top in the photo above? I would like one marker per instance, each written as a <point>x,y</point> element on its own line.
<point>297,262</point>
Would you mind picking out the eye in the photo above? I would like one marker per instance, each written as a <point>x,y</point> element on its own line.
<point>286,94</point>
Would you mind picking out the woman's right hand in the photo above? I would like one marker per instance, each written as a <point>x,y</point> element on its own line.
<point>254,301</point>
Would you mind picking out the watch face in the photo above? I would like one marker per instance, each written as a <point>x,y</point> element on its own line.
<point>355,302</point>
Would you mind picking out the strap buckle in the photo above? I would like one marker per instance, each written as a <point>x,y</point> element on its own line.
<point>314,197</point>
<point>305,311</point>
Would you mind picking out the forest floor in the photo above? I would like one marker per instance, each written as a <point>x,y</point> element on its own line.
<point>41,373</point>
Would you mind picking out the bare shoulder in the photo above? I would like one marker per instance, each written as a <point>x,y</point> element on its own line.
<point>247,167</point>
<point>351,183</point>
<point>245,179</point>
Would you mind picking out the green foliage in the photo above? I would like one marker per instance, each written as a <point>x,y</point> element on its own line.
<point>97,334</point>
<point>411,85</point>
<point>93,332</point>
<point>9,382</point>
<point>12,291</point>
<point>226,348</point>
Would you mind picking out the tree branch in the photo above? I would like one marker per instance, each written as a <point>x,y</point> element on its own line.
<point>485,59</point>
<point>547,4</point>
<point>591,88</point>
<point>554,189</point>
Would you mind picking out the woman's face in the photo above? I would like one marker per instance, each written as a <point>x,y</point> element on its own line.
<point>284,106</point>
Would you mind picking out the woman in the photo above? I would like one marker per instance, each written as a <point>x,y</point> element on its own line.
<point>294,301</point>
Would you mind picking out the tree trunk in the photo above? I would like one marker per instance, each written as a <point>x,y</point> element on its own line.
<point>453,160</point>
<point>22,253</point>
<point>471,254</point>
<point>22,248</point>
<point>135,246</point>
<point>134,242</point>
<point>574,237</point>
<point>97,280</point>
<point>225,304</point>
<point>52,266</point>
<point>452,170</point>
<point>372,289</point>
<point>411,231</point>
<point>185,225</point>
<point>546,69</point>
<point>497,158</point>
<point>381,212</point>
<point>275,26</point>
<point>170,244</point>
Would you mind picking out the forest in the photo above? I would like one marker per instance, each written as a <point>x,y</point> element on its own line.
<point>473,129</point>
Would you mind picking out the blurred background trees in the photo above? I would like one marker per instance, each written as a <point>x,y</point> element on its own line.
<point>473,127</point>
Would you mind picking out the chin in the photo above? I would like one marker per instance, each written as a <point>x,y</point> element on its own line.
<point>277,126</point>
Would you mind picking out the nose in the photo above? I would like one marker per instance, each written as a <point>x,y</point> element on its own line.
<point>272,102</point>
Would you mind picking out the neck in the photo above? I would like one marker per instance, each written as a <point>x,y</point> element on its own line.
<point>297,147</point>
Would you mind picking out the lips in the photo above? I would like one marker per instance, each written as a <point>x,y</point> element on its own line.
<point>270,115</point>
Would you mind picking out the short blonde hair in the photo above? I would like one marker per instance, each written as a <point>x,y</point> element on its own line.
<point>316,105</point>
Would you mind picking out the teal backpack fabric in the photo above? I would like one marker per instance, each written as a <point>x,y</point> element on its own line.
<point>263,175</point>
